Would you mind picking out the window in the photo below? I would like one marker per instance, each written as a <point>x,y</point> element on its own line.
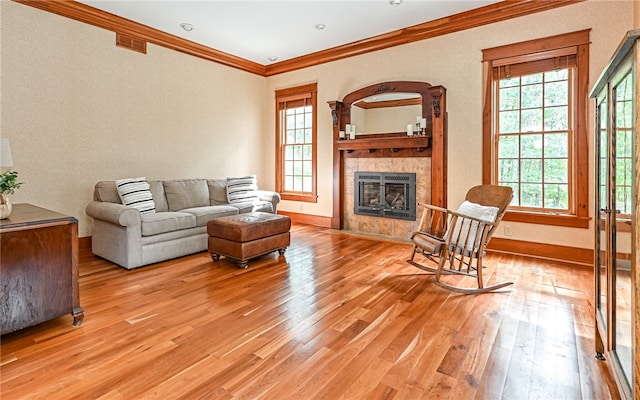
<point>533,139</point>
<point>296,143</point>
<point>535,134</point>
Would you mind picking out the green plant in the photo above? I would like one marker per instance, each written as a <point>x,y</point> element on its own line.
<point>9,182</point>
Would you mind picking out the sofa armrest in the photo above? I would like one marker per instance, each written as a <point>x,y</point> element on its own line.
<point>268,195</point>
<point>114,213</point>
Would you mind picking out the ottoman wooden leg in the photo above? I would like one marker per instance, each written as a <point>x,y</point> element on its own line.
<point>243,264</point>
<point>215,257</point>
<point>282,250</point>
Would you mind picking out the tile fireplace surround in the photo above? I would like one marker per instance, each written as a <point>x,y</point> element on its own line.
<point>393,229</point>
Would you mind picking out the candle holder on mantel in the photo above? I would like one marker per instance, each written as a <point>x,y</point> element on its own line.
<point>421,126</point>
<point>419,130</point>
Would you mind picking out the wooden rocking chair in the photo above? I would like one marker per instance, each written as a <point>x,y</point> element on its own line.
<point>456,240</point>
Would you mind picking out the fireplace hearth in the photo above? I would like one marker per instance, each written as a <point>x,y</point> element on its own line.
<point>385,194</point>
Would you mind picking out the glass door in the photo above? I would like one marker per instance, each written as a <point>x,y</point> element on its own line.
<point>615,112</point>
<point>602,227</point>
<point>622,192</point>
<point>617,244</point>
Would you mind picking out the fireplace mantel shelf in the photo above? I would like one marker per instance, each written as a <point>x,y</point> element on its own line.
<point>420,143</point>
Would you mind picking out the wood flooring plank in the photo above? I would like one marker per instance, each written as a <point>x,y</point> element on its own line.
<point>263,376</point>
<point>368,382</point>
<point>381,392</point>
<point>218,377</point>
<point>186,380</point>
<point>478,336</point>
<point>352,372</point>
<point>310,357</point>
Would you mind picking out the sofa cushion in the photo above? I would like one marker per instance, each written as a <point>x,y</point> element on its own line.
<point>204,214</point>
<point>253,206</point>
<point>242,190</point>
<point>182,238</point>
<point>157,191</point>
<point>186,193</point>
<point>154,224</point>
<point>135,193</point>
<point>106,191</point>
<point>217,191</point>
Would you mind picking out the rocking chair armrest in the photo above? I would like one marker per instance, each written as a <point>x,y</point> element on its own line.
<point>429,235</point>
<point>433,221</point>
<point>432,207</point>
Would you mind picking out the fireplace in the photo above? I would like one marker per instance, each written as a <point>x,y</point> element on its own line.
<point>385,194</point>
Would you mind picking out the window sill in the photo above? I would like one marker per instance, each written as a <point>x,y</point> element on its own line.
<point>572,221</point>
<point>308,198</point>
<point>623,224</point>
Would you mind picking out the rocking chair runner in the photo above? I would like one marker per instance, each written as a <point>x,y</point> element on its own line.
<point>456,240</point>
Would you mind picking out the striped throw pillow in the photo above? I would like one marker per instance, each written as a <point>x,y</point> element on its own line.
<point>242,190</point>
<point>136,193</point>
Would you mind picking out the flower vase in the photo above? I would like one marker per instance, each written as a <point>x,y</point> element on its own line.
<point>5,206</point>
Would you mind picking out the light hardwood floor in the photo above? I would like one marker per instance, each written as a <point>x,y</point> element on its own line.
<point>338,317</point>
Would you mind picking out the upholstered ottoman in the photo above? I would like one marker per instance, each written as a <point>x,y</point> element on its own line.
<point>246,236</point>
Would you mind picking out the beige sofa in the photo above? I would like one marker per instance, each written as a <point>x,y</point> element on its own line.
<point>178,226</point>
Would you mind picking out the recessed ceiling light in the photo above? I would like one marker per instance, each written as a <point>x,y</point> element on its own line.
<point>395,3</point>
<point>272,58</point>
<point>320,26</point>
<point>187,27</point>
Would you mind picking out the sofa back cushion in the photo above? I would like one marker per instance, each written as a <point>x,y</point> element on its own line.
<point>186,193</point>
<point>217,191</point>
<point>157,192</point>
<point>106,191</point>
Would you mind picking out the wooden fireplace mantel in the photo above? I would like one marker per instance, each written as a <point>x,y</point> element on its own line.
<point>432,144</point>
<point>394,146</point>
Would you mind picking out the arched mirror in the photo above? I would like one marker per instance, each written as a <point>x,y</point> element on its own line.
<point>388,107</point>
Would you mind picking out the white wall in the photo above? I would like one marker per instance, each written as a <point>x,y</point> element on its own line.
<point>454,61</point>
<point>77,109</point>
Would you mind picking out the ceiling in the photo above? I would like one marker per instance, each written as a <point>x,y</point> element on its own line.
<point>267,32</point>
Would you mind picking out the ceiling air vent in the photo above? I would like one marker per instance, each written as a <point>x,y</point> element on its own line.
<point>131,43</point>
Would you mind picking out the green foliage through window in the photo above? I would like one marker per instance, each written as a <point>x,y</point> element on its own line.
<point>533,138</point>
<point>624,146</point>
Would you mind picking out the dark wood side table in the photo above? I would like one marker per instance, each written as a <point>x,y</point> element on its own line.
<point>38,268</point>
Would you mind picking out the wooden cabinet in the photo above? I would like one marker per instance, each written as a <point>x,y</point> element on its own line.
<point>38,268</point>
<point>616,206</point>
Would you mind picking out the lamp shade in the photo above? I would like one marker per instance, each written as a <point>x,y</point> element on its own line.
<point>5,153</point>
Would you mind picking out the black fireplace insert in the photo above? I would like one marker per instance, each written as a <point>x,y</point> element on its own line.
<point>385,194</point>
